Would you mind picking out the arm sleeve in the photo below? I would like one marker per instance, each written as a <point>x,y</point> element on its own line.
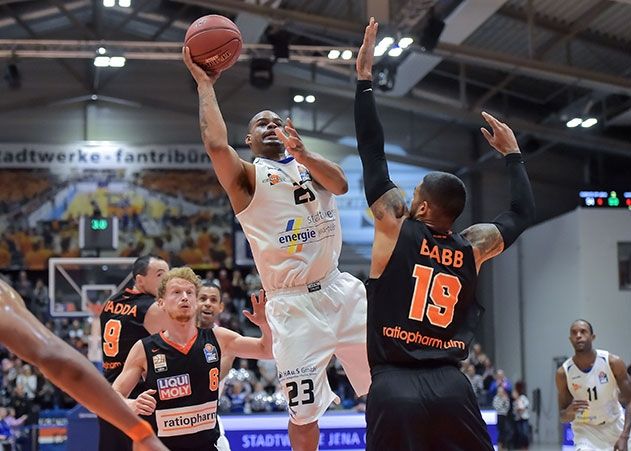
<point>521,214</point>
<point>370,143</point>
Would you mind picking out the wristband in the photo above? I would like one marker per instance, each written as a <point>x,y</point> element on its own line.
<point>513,157</point>
<point>140,431</point>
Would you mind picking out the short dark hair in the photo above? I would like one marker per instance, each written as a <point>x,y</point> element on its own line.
<point>141,265</point>
<point>446,192</point>
<point>591,329</point>
<point>210,284</point>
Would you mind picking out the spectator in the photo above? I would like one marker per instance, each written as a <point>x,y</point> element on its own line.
<point>521,409</point>
<point>500,379</point>
<point>476,381</point>
<point>501,404</point>
<point>41,301</point>
<point>253,282</point>
<point>28,381</point>
<point>6,435</point>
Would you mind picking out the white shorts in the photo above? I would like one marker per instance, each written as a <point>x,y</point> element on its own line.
<point>222,442</point>
<point>601,437</point>
<point>308,328</point>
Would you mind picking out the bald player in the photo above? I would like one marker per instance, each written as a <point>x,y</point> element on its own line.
<point>591,384</point>
<point>422,310</point>
<point>285,202</point>
<point>30,340</point>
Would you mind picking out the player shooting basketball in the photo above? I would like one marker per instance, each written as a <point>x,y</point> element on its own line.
<point>285,202</point>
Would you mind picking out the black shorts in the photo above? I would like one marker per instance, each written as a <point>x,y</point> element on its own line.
<point>426,409</point>
<point>113,439</point>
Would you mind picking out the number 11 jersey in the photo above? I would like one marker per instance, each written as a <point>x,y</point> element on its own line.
<point>597,386</point>
<point>423,306</point>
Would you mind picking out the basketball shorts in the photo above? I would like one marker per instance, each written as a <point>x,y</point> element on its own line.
<point>309,325</point>
<point>222,442</point>
<point>426,409</point>
<point>588,437</point>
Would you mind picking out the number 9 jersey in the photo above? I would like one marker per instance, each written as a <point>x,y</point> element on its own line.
<point>423,306</point>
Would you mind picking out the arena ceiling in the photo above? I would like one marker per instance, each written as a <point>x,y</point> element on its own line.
<point>535,63</point>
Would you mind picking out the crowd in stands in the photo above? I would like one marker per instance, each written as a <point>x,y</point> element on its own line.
<point>152,222</point>
<point>494,390</point>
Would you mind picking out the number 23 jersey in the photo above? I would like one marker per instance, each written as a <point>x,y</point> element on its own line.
<point>423,306</point>
<point>598,387</point>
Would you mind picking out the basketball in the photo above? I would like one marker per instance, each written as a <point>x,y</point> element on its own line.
<point>215,42</point>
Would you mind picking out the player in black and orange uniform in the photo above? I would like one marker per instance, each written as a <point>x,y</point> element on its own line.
<point>181,365</point>
<point>127,317</point>
<point>421,305</point>
<point>29,339</point>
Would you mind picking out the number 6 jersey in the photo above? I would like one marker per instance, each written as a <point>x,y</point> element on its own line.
<point>598,386</point>
<point>423,306</point>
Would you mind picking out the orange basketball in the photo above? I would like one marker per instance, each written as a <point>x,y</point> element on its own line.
<point>215,42</point>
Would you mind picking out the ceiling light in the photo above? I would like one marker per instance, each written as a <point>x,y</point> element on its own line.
<point>117,61</point>
<point>574,122</point>
<point>347,54</point>
<point>298,98</point>
<point>124,3</point>
<point>109,3</point>
<point>310,98</point>
<point>102,61</point>
<point>380,50</point>
<point>589,122</point>
<point>334,54</point>
<point>386,42</point>
<point>102,51</point>
<point>404,43</point>
<point>395,51</point>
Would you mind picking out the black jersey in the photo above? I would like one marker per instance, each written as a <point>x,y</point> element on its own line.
<point>186,379</point>
<point>423,306</point>
<point>122,325</point>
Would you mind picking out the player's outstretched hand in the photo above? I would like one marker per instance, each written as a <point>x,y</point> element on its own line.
<point>151,443</point>
<point>503,139</point>
<point>293,144</point>
<point>258,309</point>
<point>366,54</point>
<point>144,404</point>
<point>199,74</point>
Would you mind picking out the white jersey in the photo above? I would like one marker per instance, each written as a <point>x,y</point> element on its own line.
<point>598,387</point>
<point>292,225</point>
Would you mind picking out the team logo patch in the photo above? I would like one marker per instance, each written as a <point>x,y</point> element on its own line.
<point>174,387</point>
<point>274,179</point>
<point>602,377</point>
<point>210,352</point>
<point>160,363</point>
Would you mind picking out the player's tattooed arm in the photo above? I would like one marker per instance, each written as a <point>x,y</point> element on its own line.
<point>391,205</point>
<point>486,240</point>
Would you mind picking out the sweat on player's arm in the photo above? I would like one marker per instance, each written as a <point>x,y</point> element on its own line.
<point>235,175</point>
